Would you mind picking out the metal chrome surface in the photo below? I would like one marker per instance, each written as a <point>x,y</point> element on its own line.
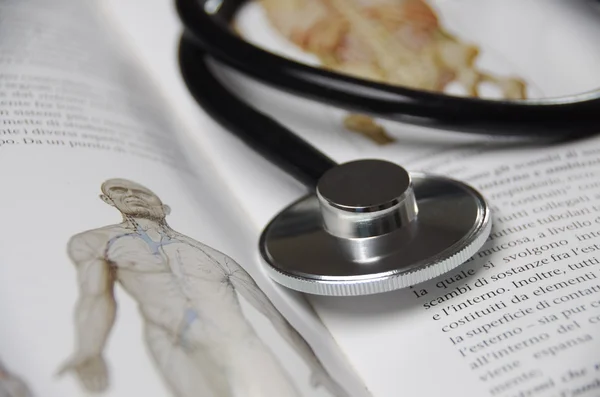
<point>453,222</point>
<point>366,198</point>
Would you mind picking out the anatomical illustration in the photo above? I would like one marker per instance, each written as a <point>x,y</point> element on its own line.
<point>198,336</point>
<point>397,42</point>
<point>11,385</point>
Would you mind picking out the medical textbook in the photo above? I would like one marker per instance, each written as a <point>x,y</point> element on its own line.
<point>129,262</point>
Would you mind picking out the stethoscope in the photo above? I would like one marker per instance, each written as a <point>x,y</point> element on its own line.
<point>368,226</point>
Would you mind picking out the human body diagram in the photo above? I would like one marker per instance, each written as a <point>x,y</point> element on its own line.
<point>187,293</point>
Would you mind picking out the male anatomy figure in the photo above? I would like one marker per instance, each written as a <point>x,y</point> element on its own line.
<point>188,298</point>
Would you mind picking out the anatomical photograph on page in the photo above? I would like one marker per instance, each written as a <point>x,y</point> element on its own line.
<point>394,42</point>
<point>459,48</point>
<point>397,42</point>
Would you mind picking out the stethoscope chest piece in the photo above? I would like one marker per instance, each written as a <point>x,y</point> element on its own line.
<point>372,227</point>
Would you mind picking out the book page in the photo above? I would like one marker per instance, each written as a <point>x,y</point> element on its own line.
<point>113,278</point>
<point>519,318</point>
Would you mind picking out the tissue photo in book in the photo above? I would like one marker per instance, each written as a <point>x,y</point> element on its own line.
<point>396,42</point>
<point>187,293</point>
<point>11,385</point>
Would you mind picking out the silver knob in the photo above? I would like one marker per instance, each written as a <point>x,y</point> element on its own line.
<point>366,198</point>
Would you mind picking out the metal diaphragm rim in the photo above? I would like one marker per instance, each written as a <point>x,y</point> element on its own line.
<point>453,223</point>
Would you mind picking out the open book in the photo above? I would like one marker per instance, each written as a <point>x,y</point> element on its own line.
<point>129,262</point>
